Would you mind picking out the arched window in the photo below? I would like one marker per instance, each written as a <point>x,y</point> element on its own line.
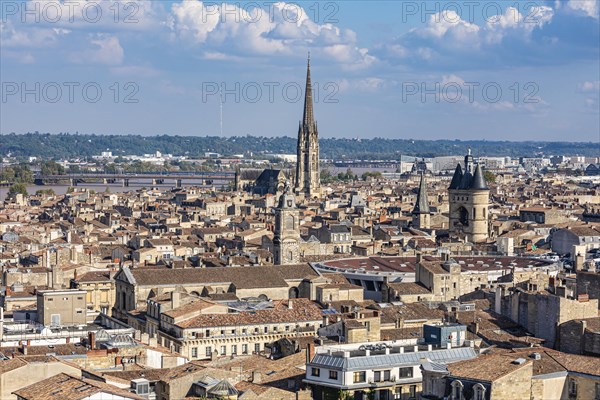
<point>478,392</point>
<point>463,216</point>
<point>457,390</point>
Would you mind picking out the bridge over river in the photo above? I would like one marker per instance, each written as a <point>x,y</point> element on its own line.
<point>153,178</point>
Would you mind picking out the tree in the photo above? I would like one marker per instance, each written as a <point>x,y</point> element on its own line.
<point>45,192</point>
<point>17,188</point>
<point>374,175</point>
<point>52,168</point>
<point>489,176</point>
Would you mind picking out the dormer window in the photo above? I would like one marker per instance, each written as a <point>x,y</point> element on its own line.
<point>457,390</point>
<point>478,392</point>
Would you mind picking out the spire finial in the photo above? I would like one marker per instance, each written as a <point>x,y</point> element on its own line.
<point>469,150</point>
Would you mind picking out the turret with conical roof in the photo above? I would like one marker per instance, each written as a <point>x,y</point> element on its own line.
<point>421,213</point>
<point>469,201</point>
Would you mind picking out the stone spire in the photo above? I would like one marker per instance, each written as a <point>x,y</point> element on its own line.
<point>422,204</point>
<point>307,168</point>
<point>308,119</point>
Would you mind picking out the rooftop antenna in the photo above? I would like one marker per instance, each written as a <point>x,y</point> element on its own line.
<point>221,108</point>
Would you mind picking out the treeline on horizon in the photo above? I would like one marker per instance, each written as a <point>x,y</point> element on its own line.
<point>67,146</point>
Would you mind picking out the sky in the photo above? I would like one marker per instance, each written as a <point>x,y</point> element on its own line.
<point>492,70</point>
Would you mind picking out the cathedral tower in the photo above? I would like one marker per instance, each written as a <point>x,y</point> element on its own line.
<point>286,241</point>
<point>308,178</point>
<point>469,201</point>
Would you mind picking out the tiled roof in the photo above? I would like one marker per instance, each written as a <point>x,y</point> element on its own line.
<point>303,310</point>
<point>488,368</point>
<point>241,277</point>
<point>66,387</point>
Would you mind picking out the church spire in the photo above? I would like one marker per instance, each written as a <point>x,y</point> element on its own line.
<point>422,203</point>
<point>308,119</point>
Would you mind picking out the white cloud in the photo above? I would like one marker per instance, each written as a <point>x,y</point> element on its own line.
<point>369,84</point>
<point>449,25</point>
<point>446,33</point>
<point>36,36</point>
<point>512,20</point>
<point>589,87</point>
<point>106,50</point>
<point>590,8</point>
<point>228,29</point>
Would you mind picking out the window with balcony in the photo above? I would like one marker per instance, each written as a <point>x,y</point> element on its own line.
<point>315,372</point>
<point>333,375</point>
<point>360,377</point>
<point>412,391</point>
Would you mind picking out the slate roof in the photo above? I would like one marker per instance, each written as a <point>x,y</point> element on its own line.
<point>394,359</point>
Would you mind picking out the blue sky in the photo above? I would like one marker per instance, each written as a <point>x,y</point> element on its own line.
<point>400,69</point>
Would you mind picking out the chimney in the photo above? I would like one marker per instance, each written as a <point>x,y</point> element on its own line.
<point>310,352</point>
<point>92,340</point>
<point>498,301</point>
<point>24,349</point>
<point>419,257</point>
<point>175,299</point>
<point>256,377</point>
<point>290,304</point>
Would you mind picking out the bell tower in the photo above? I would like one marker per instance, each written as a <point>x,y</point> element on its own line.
<point>469,201</point>
<point>308,176</point>
<point>286,242</point>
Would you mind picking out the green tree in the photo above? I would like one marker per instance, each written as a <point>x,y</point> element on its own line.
<point>19,173</point>
<point>489,176</point>
<point>374,175</point>
<point>52,168</point>
<point>17,188</point>
<point>46,192</point>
